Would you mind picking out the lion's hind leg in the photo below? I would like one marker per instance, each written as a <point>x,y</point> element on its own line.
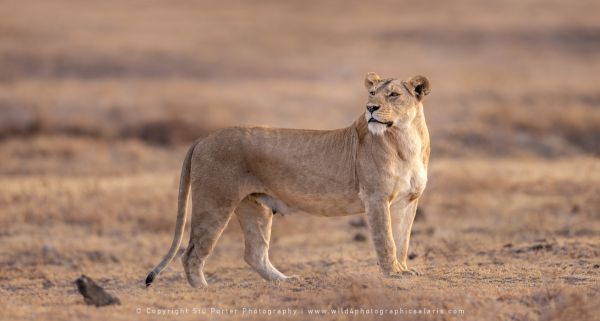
<point>193,264</point>
<point>255,220</point>
<point>208,223</point>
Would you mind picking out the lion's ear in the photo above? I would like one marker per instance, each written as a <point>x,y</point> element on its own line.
<point>371,79</point>
<point>419,86</point>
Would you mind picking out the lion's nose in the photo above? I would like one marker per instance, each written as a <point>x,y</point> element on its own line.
<point>372,107</point>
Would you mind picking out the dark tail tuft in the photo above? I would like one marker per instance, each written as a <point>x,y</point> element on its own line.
<point>150,278</point>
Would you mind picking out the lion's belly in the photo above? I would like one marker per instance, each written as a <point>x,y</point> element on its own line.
<point>332,205</point>
<point>407,186</point>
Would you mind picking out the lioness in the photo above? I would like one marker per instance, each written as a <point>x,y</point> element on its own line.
<point>377,165</point>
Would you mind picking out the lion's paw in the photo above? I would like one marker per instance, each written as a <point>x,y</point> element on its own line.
<point>411,272</point>
<point>285,278</point>
<point>403,271</point>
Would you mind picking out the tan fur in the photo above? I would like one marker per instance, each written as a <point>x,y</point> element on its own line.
<point>252,171</point>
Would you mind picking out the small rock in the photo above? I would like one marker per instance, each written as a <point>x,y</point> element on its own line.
<point>358,222</point>
<point>596,266</point>
<point>575,209</point>
<point>507,245</point>
<point>93,293</point>
<point>359,237</point>
<point>412,255</point>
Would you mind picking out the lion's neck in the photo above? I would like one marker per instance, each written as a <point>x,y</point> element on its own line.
<point>410,142</point>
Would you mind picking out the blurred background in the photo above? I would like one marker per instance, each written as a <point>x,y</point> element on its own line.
<point>100,99</point>
<point>517,78</point>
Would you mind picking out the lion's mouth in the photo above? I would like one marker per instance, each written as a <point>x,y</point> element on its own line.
<point>387,123</point>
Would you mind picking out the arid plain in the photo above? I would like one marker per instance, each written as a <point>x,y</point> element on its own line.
<point>99,101</point>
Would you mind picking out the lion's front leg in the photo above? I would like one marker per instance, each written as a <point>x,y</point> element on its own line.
<point>378,213</point>
<point>403,216</point>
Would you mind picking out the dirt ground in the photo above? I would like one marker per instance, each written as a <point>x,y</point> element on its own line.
<point>98,102</point>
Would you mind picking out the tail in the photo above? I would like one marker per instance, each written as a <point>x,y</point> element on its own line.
<point>184,190</point>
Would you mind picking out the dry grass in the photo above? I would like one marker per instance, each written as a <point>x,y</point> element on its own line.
<point>497,239</point>
<point>99,100</point>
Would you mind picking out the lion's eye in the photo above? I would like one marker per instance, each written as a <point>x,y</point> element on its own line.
<point>394,94</point>
<point>372,93</point>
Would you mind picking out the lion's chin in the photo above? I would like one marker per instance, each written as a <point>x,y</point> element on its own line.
<point>377,128</point>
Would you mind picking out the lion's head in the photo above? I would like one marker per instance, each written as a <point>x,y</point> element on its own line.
<point>393,102</point>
